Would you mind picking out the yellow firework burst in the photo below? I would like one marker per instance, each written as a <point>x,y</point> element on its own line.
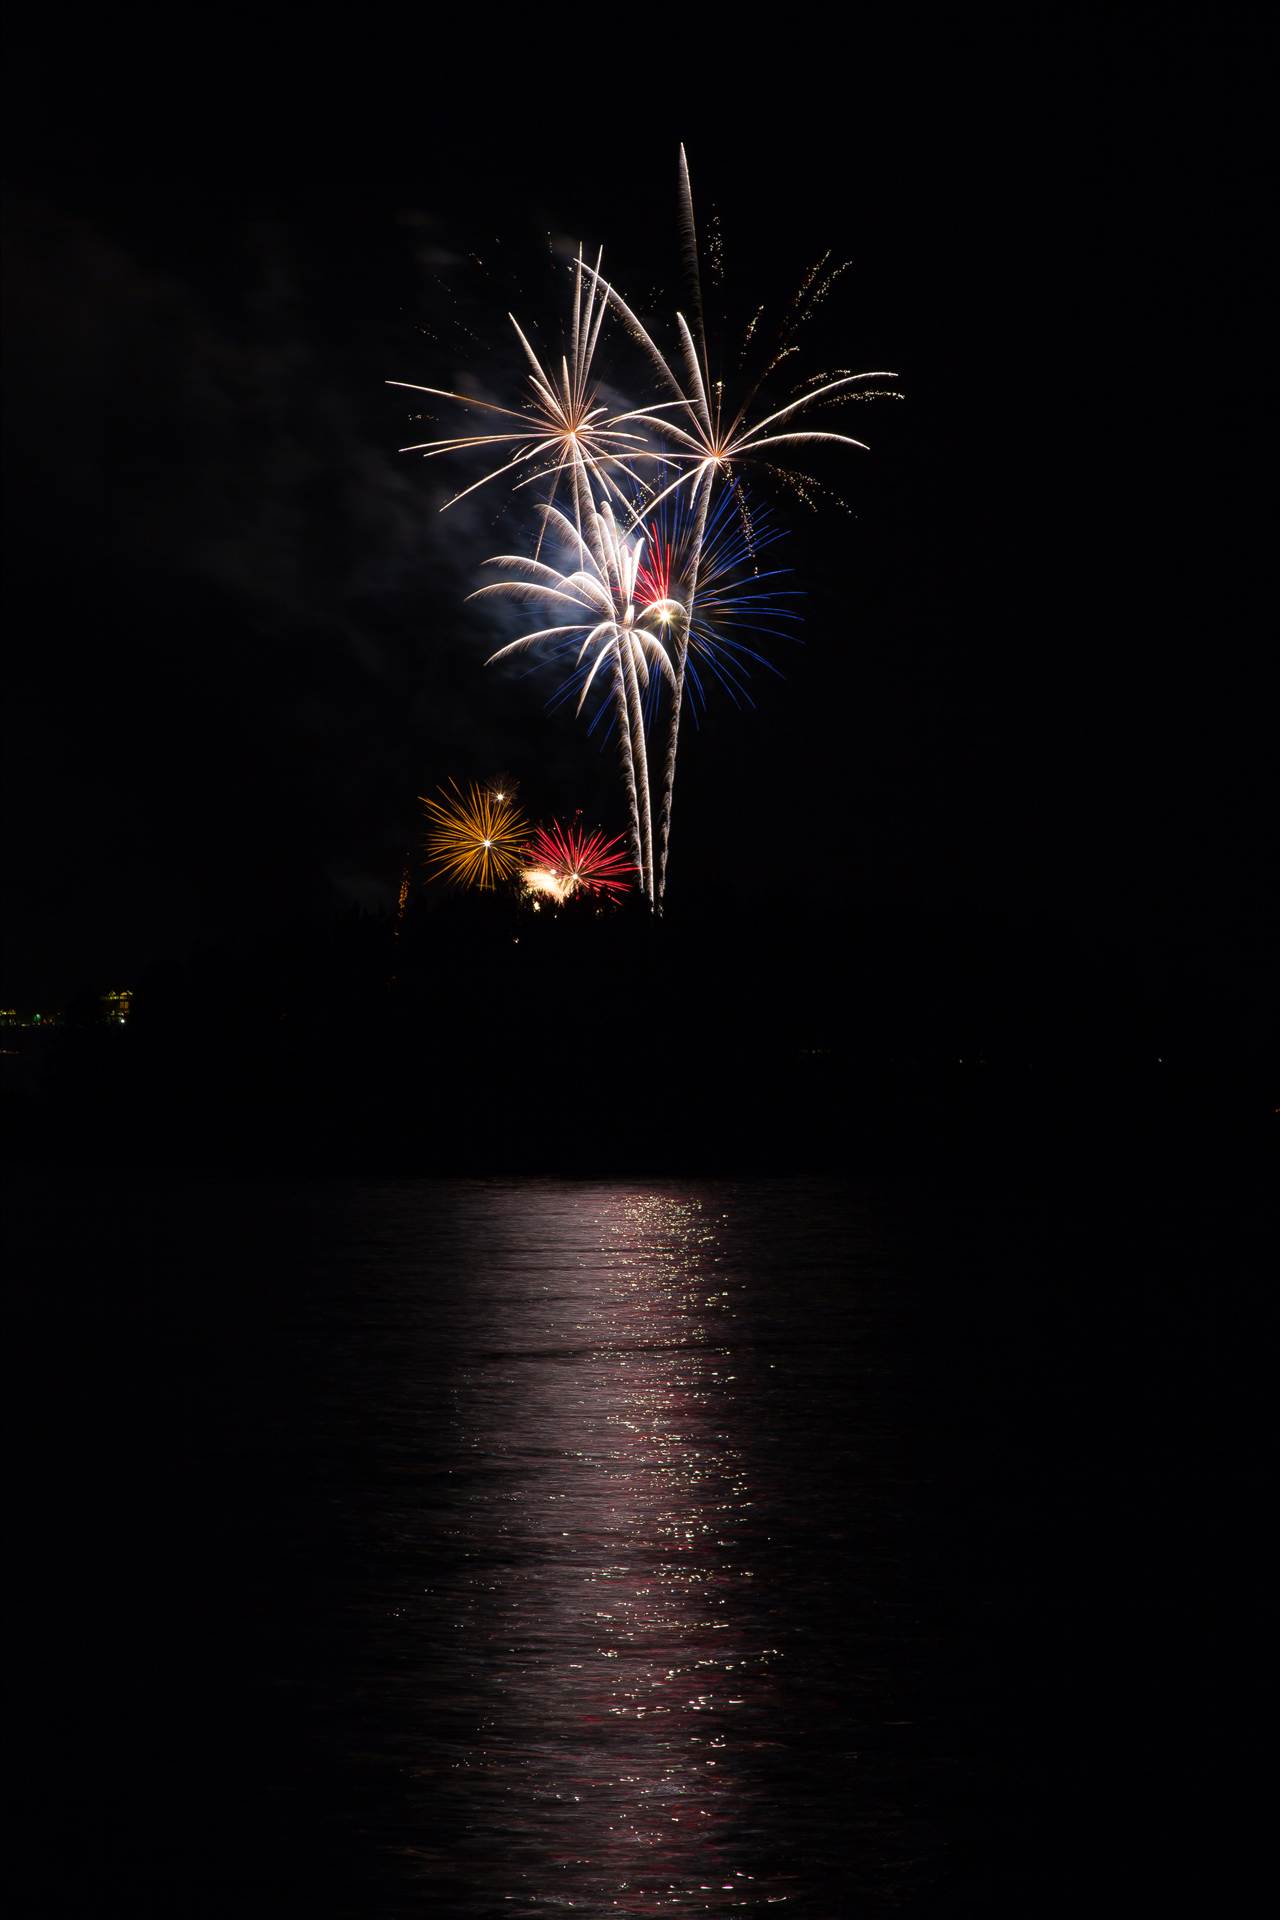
<point>474,838</point>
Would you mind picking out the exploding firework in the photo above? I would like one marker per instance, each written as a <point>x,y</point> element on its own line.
<point>473,838</point>
<point>572,860</point>
<point>657,581</point>
<point>606,628</point>
<point>564,430</point>
<point>710,440</point>
<point>708,437</point>
<point>540,883</point>
<point>737,596</point>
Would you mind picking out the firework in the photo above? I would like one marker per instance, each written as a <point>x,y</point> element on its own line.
<point>571,859</point>
<point>605,628</point>
<point>563,429</point>
<point>709,440</point>
<point>402,899</point>
<point>540,883</point>
<point>737,596</point>
<point>652,573</point>
<point>473,838</point>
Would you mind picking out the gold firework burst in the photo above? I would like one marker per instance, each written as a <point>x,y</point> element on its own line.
<point>474,838</point>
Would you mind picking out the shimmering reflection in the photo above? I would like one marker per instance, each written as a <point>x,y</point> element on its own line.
<point>609,1600</point>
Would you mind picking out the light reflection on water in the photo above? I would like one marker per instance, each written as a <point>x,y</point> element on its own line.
<point>627,1664</point>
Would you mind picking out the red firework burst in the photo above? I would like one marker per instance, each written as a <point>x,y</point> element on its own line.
<point>653,576</point>
<point>581,859</point>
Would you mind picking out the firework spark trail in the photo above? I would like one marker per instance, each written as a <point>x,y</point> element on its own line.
<point>689,248</point>
<point>622,564</point>
<point>609,631</point>
<point>677,698</point>
<point>474,837</point>
<point>629,769</point>
<point>640,756</point>
<point>402,899</point>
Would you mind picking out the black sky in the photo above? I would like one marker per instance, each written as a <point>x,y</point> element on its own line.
<point>1036,681</point>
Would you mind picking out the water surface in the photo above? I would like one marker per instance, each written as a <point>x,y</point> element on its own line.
<point>520,1546</point>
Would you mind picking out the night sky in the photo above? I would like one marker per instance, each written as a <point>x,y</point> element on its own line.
<point>1035,686</point>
